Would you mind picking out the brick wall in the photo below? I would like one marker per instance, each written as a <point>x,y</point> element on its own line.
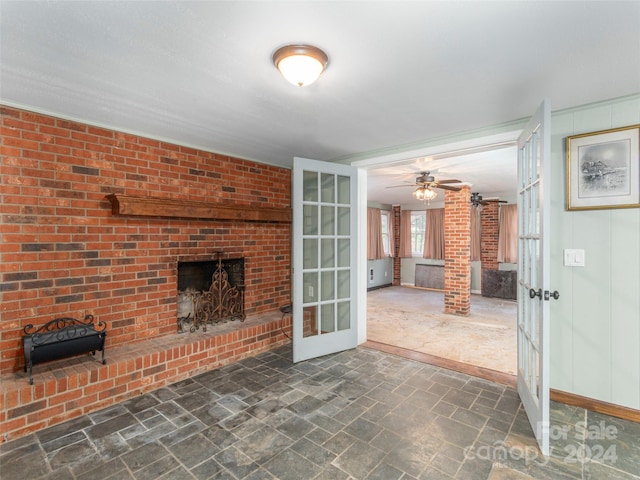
<point>63,253</point>
<point>489,236</point>
<point>397,263</point>
<point>457,252</point>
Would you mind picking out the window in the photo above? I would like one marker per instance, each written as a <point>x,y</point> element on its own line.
<point>386,232</point>
<point>418,226</point>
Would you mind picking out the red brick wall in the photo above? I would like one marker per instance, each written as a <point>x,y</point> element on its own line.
<point>489,236</point>
<point>63,253</point>
<point>457,252</point>
<point>397,264</point>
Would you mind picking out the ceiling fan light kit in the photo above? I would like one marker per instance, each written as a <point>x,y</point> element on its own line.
<point>300,64</point>
<point>425,194</point>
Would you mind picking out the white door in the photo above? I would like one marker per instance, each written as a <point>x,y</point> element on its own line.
<point>534,157</point>
<point>324,258</point>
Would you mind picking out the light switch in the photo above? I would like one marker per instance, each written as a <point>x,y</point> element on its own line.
<point>574,257</point>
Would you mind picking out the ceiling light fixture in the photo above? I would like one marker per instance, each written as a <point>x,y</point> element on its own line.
<point>425,194</point>
<point>476,200</point>
<point>300,64</point>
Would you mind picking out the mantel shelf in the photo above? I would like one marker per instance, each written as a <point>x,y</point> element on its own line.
<point>168,207</point>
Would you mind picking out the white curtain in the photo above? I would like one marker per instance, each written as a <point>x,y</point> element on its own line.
<point>392,234</point>
<point>434,234</point>
<point>375,248</point>
<point>475,234</point>
<point>508,234</point>
<point>405,234</point>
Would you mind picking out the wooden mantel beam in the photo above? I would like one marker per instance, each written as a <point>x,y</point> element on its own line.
<point>176,208</point>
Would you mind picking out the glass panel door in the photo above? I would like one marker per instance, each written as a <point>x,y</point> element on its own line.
<point>324,258</point>
<point>533,273</point>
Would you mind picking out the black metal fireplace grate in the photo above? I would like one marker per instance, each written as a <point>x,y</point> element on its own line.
<point>221,302</point>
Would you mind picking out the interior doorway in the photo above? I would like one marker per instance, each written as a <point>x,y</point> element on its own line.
<point>412,319</point>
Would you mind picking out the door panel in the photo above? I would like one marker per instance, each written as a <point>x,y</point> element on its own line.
<point>324,258</point>
<point>533,272</point>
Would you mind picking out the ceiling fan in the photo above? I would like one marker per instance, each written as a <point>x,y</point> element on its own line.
<point>476,200</point>
<point>426,184</point>
<point>426,180</point>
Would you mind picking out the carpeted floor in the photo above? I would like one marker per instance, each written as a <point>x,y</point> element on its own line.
<point>413,318</point>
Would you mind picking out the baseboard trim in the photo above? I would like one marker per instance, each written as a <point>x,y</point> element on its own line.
<point>594,405</point>
<point>473,370</point>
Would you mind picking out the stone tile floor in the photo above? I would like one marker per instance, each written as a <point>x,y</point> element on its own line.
<point>360,414</point>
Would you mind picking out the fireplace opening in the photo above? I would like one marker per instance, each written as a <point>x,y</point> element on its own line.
<point>210,292</point>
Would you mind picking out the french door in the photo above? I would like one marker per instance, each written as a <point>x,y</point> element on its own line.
<point>534,157</point>
<point>325,275</point>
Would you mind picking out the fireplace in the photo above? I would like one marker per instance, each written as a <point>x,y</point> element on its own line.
<point>210,292</point>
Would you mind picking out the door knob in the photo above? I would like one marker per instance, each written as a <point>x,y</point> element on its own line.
<point>533,293</point>
<point>555,295</point>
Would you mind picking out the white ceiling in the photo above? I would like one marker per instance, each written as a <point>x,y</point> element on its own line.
<point>400,73</point>
<point>491,173</point>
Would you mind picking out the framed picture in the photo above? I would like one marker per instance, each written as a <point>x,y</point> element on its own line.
<point>603,169</point>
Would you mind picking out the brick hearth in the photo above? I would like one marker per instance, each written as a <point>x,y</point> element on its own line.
<point>69,388</point>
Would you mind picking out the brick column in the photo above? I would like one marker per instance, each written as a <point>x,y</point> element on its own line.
<point>489,236</point>
<point>396,244</point>
<point>457,252</point>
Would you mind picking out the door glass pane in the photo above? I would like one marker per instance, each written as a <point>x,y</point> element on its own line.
<point>310,181</point>
<point>344,189</point>
<point>328,221</point>
<point>535,160</point>
<point>310,251</point>
<point>343,252</point>
<point>344,220</point>
<point>535,210</point>
<point>310,321</point>
<point>328,286</point>
<point>344,315</point>
<point>536,374</point>
<point>327,318</point>
<point>344,279</point>
<point>310,226</point>
<point>328,188</point>
<point>310,292</point>
<point>534,325</point>
<point>328,253</point>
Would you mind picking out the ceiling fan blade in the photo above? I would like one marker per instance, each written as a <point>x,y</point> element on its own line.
<point>495,201</point>
<point>448,181</point>
<point>407,185</point>
<point>447,187</point>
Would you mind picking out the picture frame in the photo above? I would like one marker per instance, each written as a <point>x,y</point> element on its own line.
<point>603,169</point>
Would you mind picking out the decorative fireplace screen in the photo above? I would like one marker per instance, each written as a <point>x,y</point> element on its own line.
<point>222,301</point>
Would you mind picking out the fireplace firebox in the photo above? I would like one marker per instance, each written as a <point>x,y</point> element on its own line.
<point>210,292</point>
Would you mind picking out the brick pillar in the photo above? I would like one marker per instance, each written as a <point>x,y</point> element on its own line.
<point>396,244</point>
<point>457,252</point>
<point>489,236</point>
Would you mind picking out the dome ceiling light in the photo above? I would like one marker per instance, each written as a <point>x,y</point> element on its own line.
<point>300,64</point>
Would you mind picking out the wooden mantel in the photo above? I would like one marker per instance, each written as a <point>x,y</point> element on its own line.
<point>168,207</point>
